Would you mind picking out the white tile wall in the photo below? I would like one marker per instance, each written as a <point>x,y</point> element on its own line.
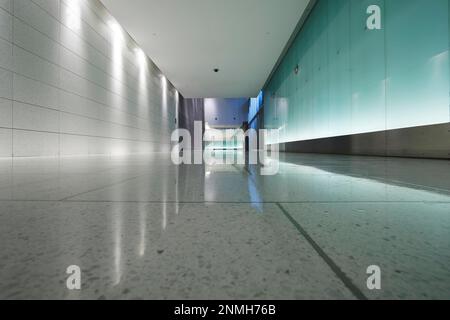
<point>35,144</point>
<point>62,90</point>
<point>51,6</point>
<point>34,92</point>
<point>6,52</point>
<point>30,117</point>
<point>34,41</point>
<point>6,4</point>
<point>74,145</point>
<point>5,142</point>
<point>37,17</point>
<point>5,25</point>
<point>35,67</point>
<point>6,79</point>
<point>5,113</point>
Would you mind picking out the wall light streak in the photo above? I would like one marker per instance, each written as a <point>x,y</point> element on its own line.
<point>141,58</point>
<point>73,15</point>
<point>164,101</point>
<point>117,47</point>
<point>117,67</point>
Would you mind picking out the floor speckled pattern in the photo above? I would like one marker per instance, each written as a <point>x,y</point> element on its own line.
<point>142,228</point>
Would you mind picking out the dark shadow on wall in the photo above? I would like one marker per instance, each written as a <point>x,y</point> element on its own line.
<point>421,174</point>
<point>418,142</point>
<point>191,110</point>
<point>226,112</point>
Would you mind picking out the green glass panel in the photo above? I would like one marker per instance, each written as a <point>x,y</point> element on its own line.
<point>417,64</point>
<point>339,67</point>
<point>368,72</point>
<point>354,78</point>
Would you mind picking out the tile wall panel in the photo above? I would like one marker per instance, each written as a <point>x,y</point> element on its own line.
<point>70,84</point>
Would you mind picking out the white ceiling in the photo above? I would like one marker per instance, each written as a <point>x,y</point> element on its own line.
<point>187,39</point>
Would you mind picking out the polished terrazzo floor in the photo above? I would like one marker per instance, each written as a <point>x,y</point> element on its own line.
<point>142,228</point>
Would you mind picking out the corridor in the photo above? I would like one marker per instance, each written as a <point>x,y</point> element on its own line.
<point>142,228</point>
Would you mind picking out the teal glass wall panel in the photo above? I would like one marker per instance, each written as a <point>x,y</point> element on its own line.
<point>320,71</point>
<point>417,68</point>
<point>340,93</point>
<point>255,106</point>
<point>306,74</point>
<point>368,70</point>
<point>354,79</point>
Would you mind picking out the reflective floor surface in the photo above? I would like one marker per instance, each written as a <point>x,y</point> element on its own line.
<point>140,227</point>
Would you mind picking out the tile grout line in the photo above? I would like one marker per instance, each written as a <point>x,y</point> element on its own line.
<point>75,134</point>
<point>64,46</point>
<point>13,95</point>
<point>333,266</point>
<point>66,199</point>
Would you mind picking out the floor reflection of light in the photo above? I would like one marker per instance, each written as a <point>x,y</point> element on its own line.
<point>255,196</point>
<point>177,204</point>
<point>117,232</point>
<point>117,68</point>
<point>143,230</point>
<point>164,215</point>
<point>164,202</point>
